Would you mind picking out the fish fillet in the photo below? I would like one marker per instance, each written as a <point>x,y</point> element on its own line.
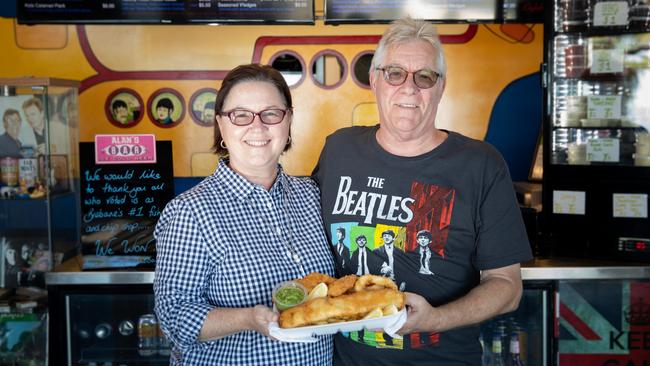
<point>342,308</point>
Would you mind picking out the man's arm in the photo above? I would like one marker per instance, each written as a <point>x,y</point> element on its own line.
<point>499,292</point>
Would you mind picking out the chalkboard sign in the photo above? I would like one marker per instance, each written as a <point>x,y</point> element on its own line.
<point>166,11</point>
<point>120,206</point>
<point>384,11</point>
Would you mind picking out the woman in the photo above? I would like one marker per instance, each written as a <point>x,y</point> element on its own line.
<point>223,245</point>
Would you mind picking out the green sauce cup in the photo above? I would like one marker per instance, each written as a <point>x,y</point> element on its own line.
<point>288,294</point>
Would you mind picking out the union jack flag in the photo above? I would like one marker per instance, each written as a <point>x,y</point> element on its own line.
<point>604,323</point>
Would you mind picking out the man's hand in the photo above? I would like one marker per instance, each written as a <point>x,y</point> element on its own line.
<point>422,317</point>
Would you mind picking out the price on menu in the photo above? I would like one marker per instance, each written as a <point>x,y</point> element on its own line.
<point>603,150</point>
<point>608,13</point>
<point>604,106</point>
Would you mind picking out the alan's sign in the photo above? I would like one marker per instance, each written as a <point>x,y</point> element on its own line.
<point>125,149</point>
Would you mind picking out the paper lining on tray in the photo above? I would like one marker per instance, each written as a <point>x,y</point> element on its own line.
<point>390,324</point>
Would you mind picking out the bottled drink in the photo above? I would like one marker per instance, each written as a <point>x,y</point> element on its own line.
<point>164,346</point>
<point>147,335</point>
<point>485,356</point>
<point>514,358</point>
<point>497,349</point>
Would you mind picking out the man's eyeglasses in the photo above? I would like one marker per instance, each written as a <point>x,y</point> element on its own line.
<point>396,76</point>
<point>243,117</point>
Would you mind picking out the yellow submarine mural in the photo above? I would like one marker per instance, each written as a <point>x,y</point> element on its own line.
<point>128,71</point>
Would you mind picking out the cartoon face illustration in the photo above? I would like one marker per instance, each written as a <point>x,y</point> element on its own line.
<point>423,238</point>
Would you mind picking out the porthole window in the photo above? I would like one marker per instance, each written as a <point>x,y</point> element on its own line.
<point>361,67</point>
<point>290,65</point>
<point>328,69</point>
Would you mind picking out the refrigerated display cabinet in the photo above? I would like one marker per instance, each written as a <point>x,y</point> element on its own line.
<point>596,129</point>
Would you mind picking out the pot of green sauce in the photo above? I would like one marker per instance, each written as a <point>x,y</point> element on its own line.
<point>288,294</point>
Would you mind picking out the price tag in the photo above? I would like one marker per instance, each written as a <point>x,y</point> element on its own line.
<point>603,150</point>
<point>607,13</point>
<point>630,205</point>
<point>607,61</point>
<point>604,106</point>
<point>569,202</point>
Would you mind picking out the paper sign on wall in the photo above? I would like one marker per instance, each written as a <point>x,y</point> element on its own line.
<point>603,150</point>
<point>630,205</point>
<point>610,13</point>
<point>607,61</point>
<point>604,106</point>
<point>569,202</point>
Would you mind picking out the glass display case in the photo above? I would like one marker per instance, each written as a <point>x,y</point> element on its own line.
<point>604,322</point>
<point>597,119</point>
<point>39,208</point>
<point>523,334</point>
<point>104,318</point>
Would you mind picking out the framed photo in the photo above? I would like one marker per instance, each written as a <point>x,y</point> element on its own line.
<point>24,261</point>
<point>202,106</point>
<point>123,108</point>
<point>166,108</point>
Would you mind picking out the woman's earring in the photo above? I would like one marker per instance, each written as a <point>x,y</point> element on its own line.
<point>223,145</point>
<point>288,140</point>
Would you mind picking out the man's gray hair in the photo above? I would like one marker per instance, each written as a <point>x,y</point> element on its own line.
<point>405,30</point>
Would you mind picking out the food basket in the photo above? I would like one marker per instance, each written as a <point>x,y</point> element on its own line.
<point>389,324</point>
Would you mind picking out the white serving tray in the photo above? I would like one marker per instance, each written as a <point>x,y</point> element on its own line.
<point>390,324</point>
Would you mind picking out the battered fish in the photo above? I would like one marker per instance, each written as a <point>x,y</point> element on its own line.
<point>311,280</point>
<point>341,286</point>
<point>344,307</point>
<point>373,282</point>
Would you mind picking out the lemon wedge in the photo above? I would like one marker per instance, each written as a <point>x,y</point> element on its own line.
<point>390,310</point>
<point>374,313</point>
<point>319,291</point>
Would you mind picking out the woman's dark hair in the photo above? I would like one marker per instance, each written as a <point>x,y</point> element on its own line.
<point>244,73</point>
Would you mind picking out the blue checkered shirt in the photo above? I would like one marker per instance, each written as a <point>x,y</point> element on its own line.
<point>222,244</point>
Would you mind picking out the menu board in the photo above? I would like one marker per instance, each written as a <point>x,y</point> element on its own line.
<point>166,11</point>
<point>120,206</point>
<point>383,11</point>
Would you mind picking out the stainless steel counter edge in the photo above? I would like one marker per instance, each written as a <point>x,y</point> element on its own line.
<point>537,270</point>
<point>585,273</point>
<point>98,278</point>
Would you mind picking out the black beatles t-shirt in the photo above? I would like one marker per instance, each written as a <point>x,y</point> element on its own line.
<point>430,222</point>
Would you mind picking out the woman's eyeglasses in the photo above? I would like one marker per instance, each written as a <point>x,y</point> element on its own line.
<point>396,76</point>
<point>243,117</point>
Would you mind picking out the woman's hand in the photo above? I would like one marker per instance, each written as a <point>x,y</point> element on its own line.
<point>422,317</point>
<point>260,318</point>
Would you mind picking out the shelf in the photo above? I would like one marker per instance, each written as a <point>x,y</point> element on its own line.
<point>601,32</point>
<point>599,128</point>
<point>606,77</point>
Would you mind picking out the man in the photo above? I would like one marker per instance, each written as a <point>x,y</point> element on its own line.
<point>120,111</point>
<point>207,115</point>
<point>359,260</point>
<point>387,254</point>
<point>35,115</point>
<point>9,143</point>
<point>410,175</point>
<point>424,239</point>
<point>164,110</point>
<point>340,248</point>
